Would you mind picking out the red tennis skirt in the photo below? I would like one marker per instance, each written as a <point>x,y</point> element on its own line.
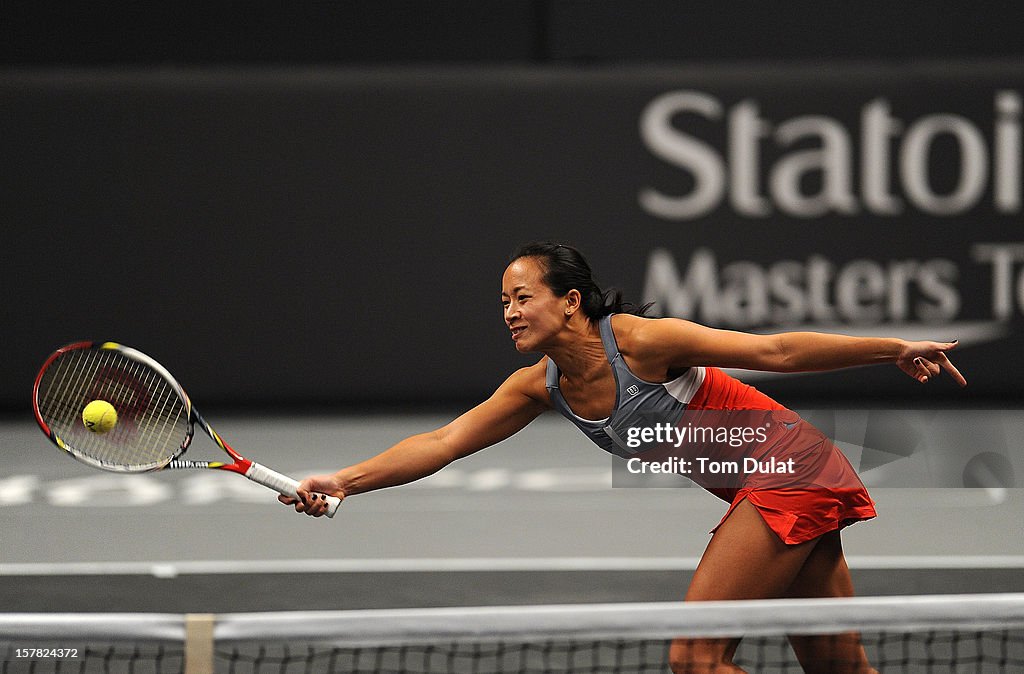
<point>803,510</point>
<point>824,494</point>
<point>799,515</point>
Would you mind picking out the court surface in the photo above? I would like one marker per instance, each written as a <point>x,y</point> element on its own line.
<point>532,520</point>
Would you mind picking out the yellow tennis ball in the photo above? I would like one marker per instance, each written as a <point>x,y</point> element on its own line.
<point>99,416</point>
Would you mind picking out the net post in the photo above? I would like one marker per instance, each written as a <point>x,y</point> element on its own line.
<point>199,643</point>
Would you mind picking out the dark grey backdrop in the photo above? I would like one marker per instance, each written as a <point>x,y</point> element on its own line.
<point>337,235</point>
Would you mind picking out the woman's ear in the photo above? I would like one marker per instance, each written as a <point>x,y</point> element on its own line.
<point>572,302</point>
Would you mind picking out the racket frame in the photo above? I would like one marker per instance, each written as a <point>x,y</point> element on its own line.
<point>241,465</point>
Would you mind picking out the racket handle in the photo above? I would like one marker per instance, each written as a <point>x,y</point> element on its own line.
<point>283,484</point>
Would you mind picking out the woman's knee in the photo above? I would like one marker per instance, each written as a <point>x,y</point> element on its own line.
<point>702,656</point>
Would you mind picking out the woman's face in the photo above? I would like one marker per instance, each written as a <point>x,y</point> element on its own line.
<point>532,312</point>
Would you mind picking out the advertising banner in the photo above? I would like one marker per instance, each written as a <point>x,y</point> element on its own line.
<point>337,236</point>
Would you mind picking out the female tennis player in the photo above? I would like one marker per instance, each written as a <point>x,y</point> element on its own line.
<point>601,367</point>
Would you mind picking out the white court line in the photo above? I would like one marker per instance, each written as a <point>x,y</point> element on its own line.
<point>217,567</point>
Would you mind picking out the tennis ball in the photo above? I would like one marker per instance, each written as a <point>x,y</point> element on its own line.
<point>99,416</point>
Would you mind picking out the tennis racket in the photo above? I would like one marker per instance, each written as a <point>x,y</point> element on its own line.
<point>155,420</point>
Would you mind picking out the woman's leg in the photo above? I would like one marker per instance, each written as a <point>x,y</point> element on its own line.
<point>825,574</point>
<point>744,560</point>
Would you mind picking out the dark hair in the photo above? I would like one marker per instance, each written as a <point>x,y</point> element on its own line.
<point>566,269</point>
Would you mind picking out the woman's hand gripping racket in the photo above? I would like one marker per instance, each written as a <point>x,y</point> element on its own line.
<point>117,409</point>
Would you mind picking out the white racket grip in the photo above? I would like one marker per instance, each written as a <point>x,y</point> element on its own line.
<point>283,484</point>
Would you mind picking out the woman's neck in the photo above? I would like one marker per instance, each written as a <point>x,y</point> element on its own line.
<point>581,355</point>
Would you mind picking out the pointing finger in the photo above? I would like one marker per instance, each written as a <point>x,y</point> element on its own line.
<point>951,369</point>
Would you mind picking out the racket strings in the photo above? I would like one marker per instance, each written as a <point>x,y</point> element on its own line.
<point>152,422</point>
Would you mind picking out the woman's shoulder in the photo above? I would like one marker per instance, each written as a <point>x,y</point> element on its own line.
<point>636,333</point>
<point>634,338</point>
<point>626,323</point>
<point>531,380</point>
<point>629,326</point>
<point>653,347</point>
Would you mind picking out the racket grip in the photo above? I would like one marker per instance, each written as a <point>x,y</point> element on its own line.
<point>283,484</point>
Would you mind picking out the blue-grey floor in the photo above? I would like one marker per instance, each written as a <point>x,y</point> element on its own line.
<point>532,520</point>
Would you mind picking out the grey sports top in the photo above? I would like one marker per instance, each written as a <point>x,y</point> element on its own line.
<point>636,401</point>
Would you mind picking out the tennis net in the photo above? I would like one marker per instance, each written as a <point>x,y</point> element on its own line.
<point>947,633</point>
